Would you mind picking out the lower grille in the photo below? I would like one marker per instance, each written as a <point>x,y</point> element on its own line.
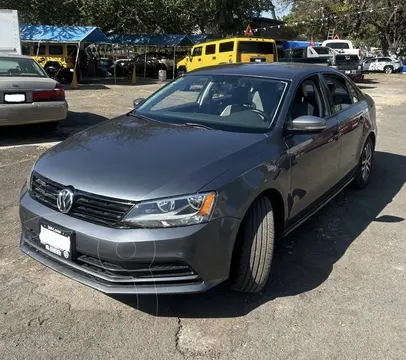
<point>113,274</point>
<point>90,207</point>
<point>135,272</point>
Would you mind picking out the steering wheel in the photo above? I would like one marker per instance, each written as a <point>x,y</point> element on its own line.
<point>263,114</point>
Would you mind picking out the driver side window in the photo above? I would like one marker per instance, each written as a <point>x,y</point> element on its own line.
<point>308,99</point>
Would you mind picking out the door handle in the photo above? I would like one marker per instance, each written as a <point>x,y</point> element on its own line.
<point>214,58</point>
<point>199,59</point>
<point>336,134</point>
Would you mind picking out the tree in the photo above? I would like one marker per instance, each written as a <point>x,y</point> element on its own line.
<point>368,21</point>
<point>144,16</point>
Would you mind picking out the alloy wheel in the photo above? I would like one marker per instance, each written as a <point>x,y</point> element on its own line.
<point>366,162</point>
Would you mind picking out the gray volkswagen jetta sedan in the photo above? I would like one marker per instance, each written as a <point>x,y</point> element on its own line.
<point>198,183</point>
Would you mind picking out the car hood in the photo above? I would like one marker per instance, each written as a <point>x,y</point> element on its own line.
<point>135,159</point>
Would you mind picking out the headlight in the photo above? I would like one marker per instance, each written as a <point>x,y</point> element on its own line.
<point>171,212</point>
<point>29,177</point>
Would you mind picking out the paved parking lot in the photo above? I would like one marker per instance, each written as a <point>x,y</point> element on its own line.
<point>337,290</point>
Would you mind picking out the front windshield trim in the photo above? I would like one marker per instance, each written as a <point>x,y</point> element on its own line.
<point>204,118</point>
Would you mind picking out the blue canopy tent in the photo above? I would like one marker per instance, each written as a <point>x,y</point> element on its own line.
<point>62,34</point>
<point>160,40</point>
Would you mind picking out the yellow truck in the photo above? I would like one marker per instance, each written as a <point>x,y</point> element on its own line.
<point>57,59</point>
<point>227,51</point>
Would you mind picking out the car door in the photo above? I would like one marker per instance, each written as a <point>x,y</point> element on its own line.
<point>314,157</point>
<point>195,60</point>
<point>366,66</point>
<point>350,109</point>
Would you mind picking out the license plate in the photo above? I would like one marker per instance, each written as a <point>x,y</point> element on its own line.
<point>14,98</point>
<point>56,241</point>
<point>258,60</point>
<point>348,71</point>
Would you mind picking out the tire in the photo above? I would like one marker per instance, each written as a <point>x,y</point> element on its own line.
<point>252,257</point>
<point>181,71</point>
<point>362,177</point>
<point>388,69</point>
<point>51,71</point>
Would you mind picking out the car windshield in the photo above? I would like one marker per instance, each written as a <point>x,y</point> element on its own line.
<point>21,67</point>
<point>223,102</point>
<point>338,45</point>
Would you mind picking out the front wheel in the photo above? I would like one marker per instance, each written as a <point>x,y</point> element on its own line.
<point>254,248</point>
<point>388,70</point>
<point>365,165</point>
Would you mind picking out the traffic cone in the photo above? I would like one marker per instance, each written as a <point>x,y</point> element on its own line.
<point>74,83</point>
<point>133,77</point>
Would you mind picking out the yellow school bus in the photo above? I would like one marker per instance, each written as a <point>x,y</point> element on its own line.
<point>56,58</point>
<point>227,51</point>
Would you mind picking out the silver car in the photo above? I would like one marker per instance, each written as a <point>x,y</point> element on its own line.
<point>27,94</point>
<point>382,64</point>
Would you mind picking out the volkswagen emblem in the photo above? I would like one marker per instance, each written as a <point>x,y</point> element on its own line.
<point>64,200</point>
<point>347,57</point>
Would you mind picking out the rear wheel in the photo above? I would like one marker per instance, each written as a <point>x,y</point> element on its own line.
<point>254,248</point>
<point>388,69</point>
<point>365,165</point>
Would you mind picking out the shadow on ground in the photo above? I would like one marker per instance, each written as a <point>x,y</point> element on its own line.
<point>367,84</point>
<point>307,257</point>
<point>43,133</point>
<point>370,81</point>
<point>94,83</point>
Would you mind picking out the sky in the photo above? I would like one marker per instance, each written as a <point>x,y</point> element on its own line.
<point>281,10</point>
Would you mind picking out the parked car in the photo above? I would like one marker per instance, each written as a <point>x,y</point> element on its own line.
<point>124,67</point>
<point>27,94</point>
<point>382,64</point>
<point>198,183</point>
<point>346,63</point>
<point>155,61</point>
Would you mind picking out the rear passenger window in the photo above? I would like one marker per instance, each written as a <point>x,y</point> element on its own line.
<point>197,51</point>
<point>71,50</point>
<point>55,50</point>
<point>40,50</point>
<point>25,50</point>
<point>227,46</point>
<point>210,49</point>
<point>339,95</point>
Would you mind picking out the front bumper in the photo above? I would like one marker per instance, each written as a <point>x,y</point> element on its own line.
<point>134,261</point>
<point>351,72</point>
<point>31,113</point>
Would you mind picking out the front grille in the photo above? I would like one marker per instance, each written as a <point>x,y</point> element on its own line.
<point>89,207</point>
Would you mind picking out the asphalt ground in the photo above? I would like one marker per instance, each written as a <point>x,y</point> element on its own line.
<point>337,288</point>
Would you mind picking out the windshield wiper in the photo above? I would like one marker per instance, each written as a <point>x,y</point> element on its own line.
<point>198,126</point>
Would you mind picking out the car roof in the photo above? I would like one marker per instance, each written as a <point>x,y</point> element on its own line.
<point>11,55</point>
<point>284,71</point>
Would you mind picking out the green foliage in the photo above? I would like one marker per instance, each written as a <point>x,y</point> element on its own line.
<point>142,16</point>
<point>384,27</point>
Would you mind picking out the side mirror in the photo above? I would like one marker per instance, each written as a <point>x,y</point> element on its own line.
<point>307,124</point>
<point>138,102</point>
